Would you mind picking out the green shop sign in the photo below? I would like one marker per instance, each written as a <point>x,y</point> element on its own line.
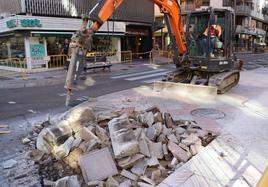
<point>24,23</point>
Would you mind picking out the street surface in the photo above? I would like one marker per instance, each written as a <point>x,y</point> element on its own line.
<point>50,99</point>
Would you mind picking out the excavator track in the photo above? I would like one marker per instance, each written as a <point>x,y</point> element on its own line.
<point>225,81</point>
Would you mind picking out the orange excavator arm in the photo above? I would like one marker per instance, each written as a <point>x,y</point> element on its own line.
<point>170,8</point>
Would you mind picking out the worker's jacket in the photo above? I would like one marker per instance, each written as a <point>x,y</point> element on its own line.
<point>215,30</point>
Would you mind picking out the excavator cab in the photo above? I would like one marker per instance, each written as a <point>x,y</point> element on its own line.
<point>209,36</point>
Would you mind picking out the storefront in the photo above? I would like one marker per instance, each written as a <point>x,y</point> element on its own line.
<point>34,38</point>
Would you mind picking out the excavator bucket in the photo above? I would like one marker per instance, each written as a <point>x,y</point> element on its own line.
<point>186,89</point>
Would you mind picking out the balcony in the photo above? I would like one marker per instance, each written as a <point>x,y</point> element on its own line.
<point>243,10</point>
<point>185,8</point>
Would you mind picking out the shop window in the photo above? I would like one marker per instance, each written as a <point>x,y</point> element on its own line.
<point>12,48</point>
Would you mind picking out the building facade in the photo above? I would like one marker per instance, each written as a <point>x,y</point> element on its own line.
<point>251,19</point>
<point>38,28</point>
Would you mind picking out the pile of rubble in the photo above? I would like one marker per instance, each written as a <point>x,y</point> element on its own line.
<point>123,148</point>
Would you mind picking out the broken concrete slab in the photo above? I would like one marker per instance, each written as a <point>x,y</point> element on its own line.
<point>156,176</point>
<point>93,164</point>
<point>179,131</point>
<point>9,164</point>
<point>169,120</point>
<point>142,184</point>
<point>80,117</point>
<point>126,183</point>
<point>156,149</point>
<point>158,117</point>
<point>111,182</point>
<point>196,148</point>
<point>139,168</point>
<point>173,138</point>
<point>190,140</point>
<point>124,142</point>
<point>87,135</point>
<point>69,181</point>
<point>73,158</point>
<point>129,175</point>
<point>178,152</point>
<point>153,161</point>
<point>151,133</point>
<point>144,148</point>
<point>102,135</point>
<point>104,117</point>
<point>64,149</point>
<point>146,119</point>
<point>129,162</point>
<point>148,180</point>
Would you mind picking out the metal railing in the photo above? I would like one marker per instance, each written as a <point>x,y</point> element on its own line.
<point>14,63</point>
<point>245,10</point>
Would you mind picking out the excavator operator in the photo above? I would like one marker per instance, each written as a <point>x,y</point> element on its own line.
<point>215,33</point>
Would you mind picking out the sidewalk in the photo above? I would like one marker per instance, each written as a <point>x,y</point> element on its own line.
<point>237,157</point>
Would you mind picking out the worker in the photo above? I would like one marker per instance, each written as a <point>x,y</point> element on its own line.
<point>215,33</point>
<point>65,51</point>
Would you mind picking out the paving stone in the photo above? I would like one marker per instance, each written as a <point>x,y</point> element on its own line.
<point>178,152</point>
<point>156,149</point>
<point>128,175</point>
<point>144,148</point>
<point>124,142</point>
<point>93,164</point>
<point>139,168</point>
<point>129,162</point>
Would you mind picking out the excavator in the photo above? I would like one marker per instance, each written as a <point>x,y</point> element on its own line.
<point>202,56</point>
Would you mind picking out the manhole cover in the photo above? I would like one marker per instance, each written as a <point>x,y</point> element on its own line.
<point>208,113</point>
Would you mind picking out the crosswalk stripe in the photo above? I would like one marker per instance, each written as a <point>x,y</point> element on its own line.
<point>147,76</point>
<point>137,74</point>
<point>153,80</point>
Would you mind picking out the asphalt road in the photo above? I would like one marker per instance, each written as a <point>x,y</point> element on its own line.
<point>29,102</point>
